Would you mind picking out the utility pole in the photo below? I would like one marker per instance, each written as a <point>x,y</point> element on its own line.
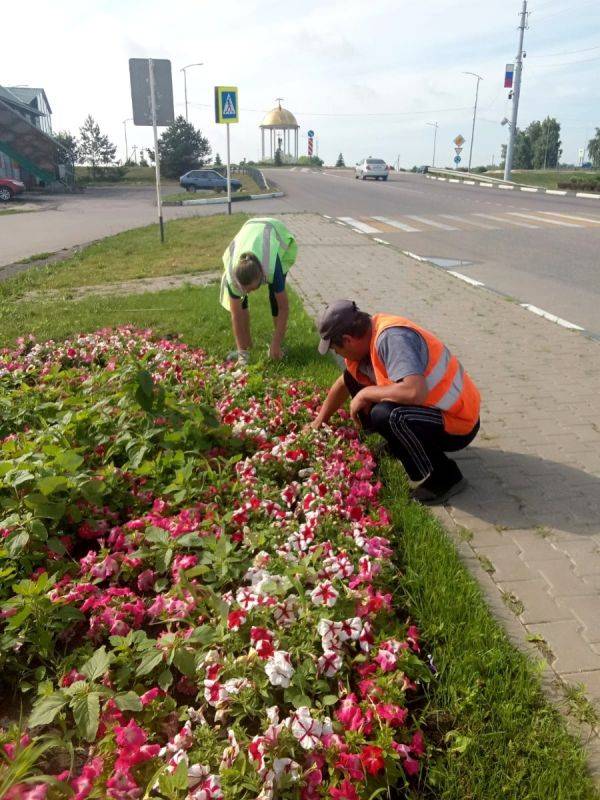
<point>435,126</point>
<point>183,69</point>
<point>125,121</point>
<point>479,78</point>
<point>516,93</point>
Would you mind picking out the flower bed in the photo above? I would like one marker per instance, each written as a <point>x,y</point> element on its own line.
<point>197,596</point>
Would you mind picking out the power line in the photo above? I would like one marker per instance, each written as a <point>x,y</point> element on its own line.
<point>567,53</point>
<point>344,114</point>
<point>565,63</point>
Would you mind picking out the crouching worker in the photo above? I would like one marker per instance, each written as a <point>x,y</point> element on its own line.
<point>407,386</point>
<point>263,251</point>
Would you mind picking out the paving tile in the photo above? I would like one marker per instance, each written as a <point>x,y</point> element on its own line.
<point>534,546</point>
<point>508,565</point>
<point>591,682</point>
<point>539,606</point>
<point>586,609</point>
<point>561,577</point>
<point>572,653</point>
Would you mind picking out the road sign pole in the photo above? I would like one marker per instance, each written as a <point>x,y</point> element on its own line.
<point>228,175</point>
<point>516,94</point>
<point>479,78</point>
<point>156,153</point>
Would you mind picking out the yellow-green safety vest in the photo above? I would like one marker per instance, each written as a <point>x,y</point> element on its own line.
<point>267,238</point>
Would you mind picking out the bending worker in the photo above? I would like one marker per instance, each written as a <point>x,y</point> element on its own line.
<point>407,386</point>
<point>263,251</point>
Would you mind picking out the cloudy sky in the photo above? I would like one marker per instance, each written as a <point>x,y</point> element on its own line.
<point>366,76</point>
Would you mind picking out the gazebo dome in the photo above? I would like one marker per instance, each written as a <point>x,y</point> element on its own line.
<point>279,119</point>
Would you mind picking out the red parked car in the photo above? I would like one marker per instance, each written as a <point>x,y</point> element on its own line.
<point>9,187</point>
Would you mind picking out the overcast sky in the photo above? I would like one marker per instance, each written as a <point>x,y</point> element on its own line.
<point>366,76</point>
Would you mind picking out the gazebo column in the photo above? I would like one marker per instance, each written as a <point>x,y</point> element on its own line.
<point>262,144</point>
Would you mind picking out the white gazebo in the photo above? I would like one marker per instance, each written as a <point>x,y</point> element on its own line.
<point>280,123</point>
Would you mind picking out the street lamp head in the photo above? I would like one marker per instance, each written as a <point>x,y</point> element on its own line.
<point>505,121</point>
<point>187,66</point>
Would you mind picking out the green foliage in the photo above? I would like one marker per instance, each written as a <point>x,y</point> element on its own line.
<point>69,145</point>
<point>340,161</point>
<point>217,161</point>
<point>278,160</point>
<point>182,148</point>
<point>310,161</point>
<point>538,146</point>
<point>594,149</point>
<point>95,148</point>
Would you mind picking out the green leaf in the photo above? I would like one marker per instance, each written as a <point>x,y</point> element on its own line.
<point>51,484</point>
<point>15,542</point>
<point>129,701</point>
<point>185,661</point>
<point>329,700</point>
<point>156,535</point>
<point>145,382</point>
<point>165,679</point>
<point>43,507</point>
<point>46,709</point>
<point>98,664</point>
<point>86,712</point>
<point>70,461</point>
<point>149,661</point>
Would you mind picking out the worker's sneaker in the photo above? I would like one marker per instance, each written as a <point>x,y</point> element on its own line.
<point>438,496</point>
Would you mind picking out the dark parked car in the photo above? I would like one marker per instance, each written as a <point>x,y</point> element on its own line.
<point>9,187</point>
<point>207,179</point>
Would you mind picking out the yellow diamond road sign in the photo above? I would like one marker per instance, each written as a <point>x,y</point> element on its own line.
<point>459,141</point>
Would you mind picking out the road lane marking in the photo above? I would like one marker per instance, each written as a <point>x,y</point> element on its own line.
<point>507,221</point>
<point>528,189</point>
<point>414,255</point>
<point>326,216</point>
<point>381,241</point>
<point>469,183</point>
<point>572,216</point>
<point>505,186</point>
<point>543,219</point>
<point>555,191</point>
<point>486,185</point>
<point>361,226</point>
<point>552,317</point>
<point>456,218</point>
<point>431,222</point>
<point>453,180</point>
<point>465,278</point>
<point>394,224</point>
<point>587,194</point>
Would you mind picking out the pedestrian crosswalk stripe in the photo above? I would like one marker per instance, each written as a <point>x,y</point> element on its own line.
<point>509,221</point>
<point>395,224</point>
<point>572,216</point>
<point>431,222</point>
<point>361,226</point>
<point>541,219</point>
<point>456,218</point>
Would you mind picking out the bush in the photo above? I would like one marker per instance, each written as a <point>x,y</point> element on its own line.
<point>102,174</point>
<point>582,183</point>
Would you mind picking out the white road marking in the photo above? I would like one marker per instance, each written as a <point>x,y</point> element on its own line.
<point>555,191</point>
<point>456,218</point>
<point>528,189</point>
<point>441,179</point>
<point>469,183</point>
<point>486,185</point>
<point>326,216</point>
<point>394,224</point>
<point>505,186</point>
<point>466,278</point>
<point>453,180</point>
<point>543,219</point>
<point>572,216</point>
<point>361,226</point>
<point>552,317</point>
<point>381,241</point>
<point>414,255</point>
<point>431,222</point>
<point>587,194</point>
<point>507,221</point>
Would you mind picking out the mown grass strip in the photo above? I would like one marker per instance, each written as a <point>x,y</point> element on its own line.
<point>498,736</point>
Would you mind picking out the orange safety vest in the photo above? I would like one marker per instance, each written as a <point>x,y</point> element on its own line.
<point>449,387</point>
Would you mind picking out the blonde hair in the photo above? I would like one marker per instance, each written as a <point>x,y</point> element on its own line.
<point>248,270</point>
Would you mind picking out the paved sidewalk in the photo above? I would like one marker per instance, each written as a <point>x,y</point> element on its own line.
<point>532,513</point>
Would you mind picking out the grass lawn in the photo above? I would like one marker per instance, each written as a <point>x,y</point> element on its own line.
<point>4,212</point>
<point>497,736</point>
<point>546,178</point>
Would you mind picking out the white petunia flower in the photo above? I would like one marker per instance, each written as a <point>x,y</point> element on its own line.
<point>279,669</point>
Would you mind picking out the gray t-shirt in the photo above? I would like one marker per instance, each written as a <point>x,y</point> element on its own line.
<point>403,352</point>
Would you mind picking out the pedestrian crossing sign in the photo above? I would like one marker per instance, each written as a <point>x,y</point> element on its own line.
<point>226,104</point>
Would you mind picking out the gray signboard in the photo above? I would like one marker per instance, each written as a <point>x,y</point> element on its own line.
<point>139,73</point>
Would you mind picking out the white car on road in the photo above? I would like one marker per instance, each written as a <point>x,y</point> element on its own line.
<point>371,168</point>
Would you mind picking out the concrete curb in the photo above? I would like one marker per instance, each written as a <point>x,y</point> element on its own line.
<point>517,186</point>
<point>209,201</point>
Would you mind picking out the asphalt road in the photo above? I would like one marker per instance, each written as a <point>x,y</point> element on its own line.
<point>539,249</point>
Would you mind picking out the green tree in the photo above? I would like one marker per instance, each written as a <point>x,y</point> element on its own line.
<point>182,148</point>
<point>143,162</point>
<point>594,149</point>
<point>70,147</point>
<point>523,155</point>
<point>95,148</point>
<point>150,154</point>
<point>311,161</point>
<point>340,161</point>
<point>218,162</point>
<point>545,143</point>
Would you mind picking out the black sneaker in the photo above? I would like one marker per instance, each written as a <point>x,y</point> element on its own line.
<point>430,497</point>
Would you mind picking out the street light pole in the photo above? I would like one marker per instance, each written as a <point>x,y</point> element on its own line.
<point>183,69</point>
<point>433,125</point>
<point>479,78</point>
<point>125,121</point>
<point>516,94</point>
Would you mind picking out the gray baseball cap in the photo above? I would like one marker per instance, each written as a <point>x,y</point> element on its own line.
<point>335,319</point>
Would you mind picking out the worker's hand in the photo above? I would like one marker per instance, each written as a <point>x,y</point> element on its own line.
<point>358,404</point>
<point>275,352</point>
<point>313,426</point>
